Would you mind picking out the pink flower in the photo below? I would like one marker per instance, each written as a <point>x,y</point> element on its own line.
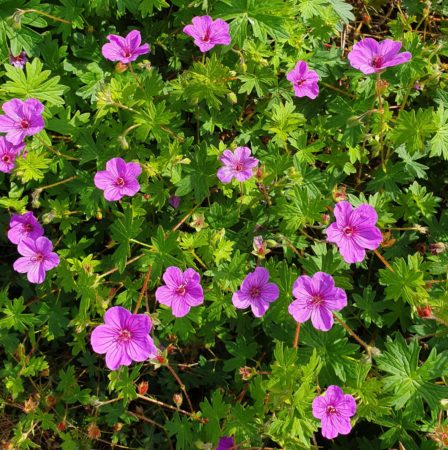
<point>304,80</point>
<point>370,56</point>
<point>18,61</point>
<point>354,231</point>
<point>174,201</point>
<point>37,258</point>
<point>256,292</point>
<point>124,338</point>
<point>237,165</point>
<point>182,291</point>
<point>208,32</point>
<point>226,443</point>
<point>126,49</point>
<point>119,179</point>
<point>24,226</point>
<point>334,409</point>
<point>8,154</point>
<point>21,119</point>
<point>316,297</point>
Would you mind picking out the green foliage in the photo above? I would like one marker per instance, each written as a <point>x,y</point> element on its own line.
<point>221,371</point>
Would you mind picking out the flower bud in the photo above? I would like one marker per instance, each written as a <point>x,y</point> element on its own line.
<point>232,98</point>
<point>424,312</point>
<point>118,426</point>
<point>120,67</point>
<point>93,431</point>
<point>437,248</point>
<point>142,387</point>
<point>381,86</point>
<point>246,373</point>
<point>123,142</point>
<point>339,193</point>
<point>61,426</point>
<point>178,399</point>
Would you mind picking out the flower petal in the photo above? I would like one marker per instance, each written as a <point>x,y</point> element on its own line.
<point>103,338</point>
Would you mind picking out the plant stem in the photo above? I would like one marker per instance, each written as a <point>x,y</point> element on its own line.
<point>111,271</point>
<point>334,88</point>
<point>383,260</point>
<point>173,408</point>
<point>48,186</point>
<point>143,289</point>
<point>141,243</point>
<point>181,385</point>
<point>296,337</point>
<point>131,69</point>
<point>22,12</point>
<point>353,334</point>
<point>56,152</point>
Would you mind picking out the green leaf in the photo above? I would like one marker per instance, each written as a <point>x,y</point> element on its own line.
<point>205,82</point>
<point>147,7</point>
<point>412,129</point>
<point>34,83</point>
<point>406,281</point>
<point>370,310</point>
<point>343,10</point>
<point>33,166</point>
<point>298,208</point>
<point>122,230</point>
<point>439,142</point>
<point>410,381</point>
<point>14,317</point>
<point>265,17</point>
<point>416,203</point>
<point>284,122</point>
<point>214,410</point>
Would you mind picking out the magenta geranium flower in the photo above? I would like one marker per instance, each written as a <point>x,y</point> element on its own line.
<point>208,32</point>
<point>8,154</point>
<point>124,49</point>
<point>174,201</point>
<point>256,292</point>
<point>124,338</point>
<point>182,290</point>
<point>354,231</point>
<point>238,165</point>
<point>304,80</point>
<point>37,258</point>
<point>18,61</point>
<point>370,56</point>
<point>24,226</point>
<point>316,297</point>
<point>334,409</point>
<point>21,119</point>
<point>119,179</point>
<point>226,443</point>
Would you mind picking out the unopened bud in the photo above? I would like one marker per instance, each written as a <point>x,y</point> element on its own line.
<point>339,193</point>
<point>61,426</point>
<point>48,217</point>
<point>381,86</point>
<point>120,67</point>
<point>424,312</point>
<point>123,142</point>
<point>142,387</point>
<point>118,426</point>
<point>246,373</point>
<point>437,248</point>
<point>178,399</point>
<point>232,98</point>
<point>50,401</point>
<point>93,431</point>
